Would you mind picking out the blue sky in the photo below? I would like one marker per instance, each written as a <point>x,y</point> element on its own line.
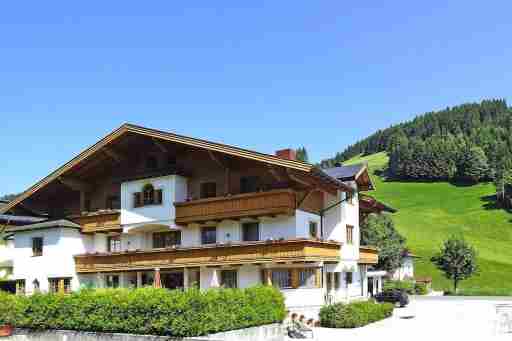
<point>259,74</point>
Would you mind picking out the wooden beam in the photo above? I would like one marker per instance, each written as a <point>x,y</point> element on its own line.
<point>308,193</point>
<point>160,145</point>
<point>216,159</point>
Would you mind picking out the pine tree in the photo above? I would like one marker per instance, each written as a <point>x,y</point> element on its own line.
<point>473,165</point>
<point>302,154</point>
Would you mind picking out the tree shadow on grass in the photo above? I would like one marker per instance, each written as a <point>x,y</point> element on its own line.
<point>491,203</point>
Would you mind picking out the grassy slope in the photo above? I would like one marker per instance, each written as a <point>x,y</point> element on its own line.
<point>429,212</point>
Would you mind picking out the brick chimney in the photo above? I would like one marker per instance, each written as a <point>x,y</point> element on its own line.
<point>288,154</point>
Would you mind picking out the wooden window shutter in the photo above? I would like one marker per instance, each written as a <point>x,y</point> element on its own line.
<point>318,278</point>
<point>295,278</point>
<point>158,196</point>
<point>137,199</point>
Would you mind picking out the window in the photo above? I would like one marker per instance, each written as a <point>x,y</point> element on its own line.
<point>350,197</point>
<point>348,278</point>
<point>282,278</point>
<point>350,234</point>
<point>313,229</point>
<point>37,247</point>
<point>229,278</point>
<point>36,285</point>
<point>209,235</point>
<point>114,244</point>
<point>20,287</point>
<point>151,162</point>
<point>113,202</point>
<point>249,184</point>
<point>208,190</point>
<point>112,281</point>
<point>148,196</point>
<point>59,285</point>
<point>307,278</point>
<point>337,282</point>
<point>250,232</point>
<point>166,239</point>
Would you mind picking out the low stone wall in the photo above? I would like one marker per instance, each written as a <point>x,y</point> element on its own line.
<point>271,332</point>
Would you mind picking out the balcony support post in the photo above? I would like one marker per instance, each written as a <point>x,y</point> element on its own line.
<point>186,281</point>
<point>139,279</point>
<point>215,283</point>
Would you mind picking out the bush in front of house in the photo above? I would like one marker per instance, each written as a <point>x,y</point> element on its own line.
<point>146,311</point>
<point>407,286</point>
<point>353,315</point>
<point>420,288</point>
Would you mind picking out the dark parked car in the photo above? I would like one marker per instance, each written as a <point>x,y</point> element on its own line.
<point>397,297</point>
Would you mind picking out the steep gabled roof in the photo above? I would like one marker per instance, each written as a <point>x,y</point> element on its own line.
<point>294,165</point>
<point>357,172</point>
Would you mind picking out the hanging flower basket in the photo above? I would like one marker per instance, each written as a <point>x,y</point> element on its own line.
<point>6,330</point>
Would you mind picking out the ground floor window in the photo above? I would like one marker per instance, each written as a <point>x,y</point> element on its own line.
<point>282,278</point>
<point>59,285</point>
<point>229,278</point>
<point>307,278</point>
<point>349,278</point>
<point>112,281</point>
<point>20,287</point>
<point>194,278</point>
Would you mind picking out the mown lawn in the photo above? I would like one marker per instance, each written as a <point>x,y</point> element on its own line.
<point>430,212</point>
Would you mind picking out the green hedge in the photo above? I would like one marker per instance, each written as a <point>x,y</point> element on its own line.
<point>146,311</point>
<point>410,287</point>
<point>354,315</point>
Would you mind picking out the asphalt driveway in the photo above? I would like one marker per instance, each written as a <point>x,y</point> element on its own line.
<point>433,318</point>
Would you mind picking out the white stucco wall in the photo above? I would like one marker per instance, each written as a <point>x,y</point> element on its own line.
<point>174,189</point>
<point>406,270</point>
<point>59,246</point>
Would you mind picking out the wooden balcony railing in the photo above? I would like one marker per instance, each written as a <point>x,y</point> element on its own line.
<point>368,255</point>
<point>101,221</point>
<point>236,206</point>
<point>300,250</point>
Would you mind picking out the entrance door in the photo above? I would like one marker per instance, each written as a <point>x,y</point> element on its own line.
<point>370,286</point>
<point>172,280</point>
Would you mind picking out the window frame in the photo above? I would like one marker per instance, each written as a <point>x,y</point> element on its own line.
<point>247,187</point>
<point>117,243</point>
<point>223,279</point>
<point>59,285</point>
<point>203,230</point>
<point>307,282</point>
<point>37,250</point>
<point>164,239</point>
<point>315,223</point>
<point>250,223</point>
<point>113,282</point>
<point>350,234</point>
<point>276,281</point>
<point>21,287</point>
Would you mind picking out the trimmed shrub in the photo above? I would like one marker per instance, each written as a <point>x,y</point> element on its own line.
<point>420,288</point>
<point>146,311</point>
<point>354,315</point>
<point>408,286</point>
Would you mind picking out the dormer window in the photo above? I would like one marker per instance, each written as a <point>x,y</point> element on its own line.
<point>148,196</point>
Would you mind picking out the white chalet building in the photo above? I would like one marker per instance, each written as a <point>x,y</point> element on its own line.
<point>146,207</point>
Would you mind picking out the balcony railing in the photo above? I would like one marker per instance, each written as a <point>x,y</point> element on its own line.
<point>101,221</point>
<point>300,250</point>
<point>368,255</point>
<point>271,203</point>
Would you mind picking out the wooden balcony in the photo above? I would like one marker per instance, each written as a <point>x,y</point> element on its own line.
<point>269,203</point>
<point>101,221</point>
<point>301,250</point>
<point>368,255</point>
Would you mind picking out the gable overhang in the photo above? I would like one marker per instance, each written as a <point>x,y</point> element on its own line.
<point>297,167</point>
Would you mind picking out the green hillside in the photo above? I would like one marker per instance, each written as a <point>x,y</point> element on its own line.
<point>430,212</point>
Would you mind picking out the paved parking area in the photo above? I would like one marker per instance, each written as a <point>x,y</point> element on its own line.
<point>432,318</point>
